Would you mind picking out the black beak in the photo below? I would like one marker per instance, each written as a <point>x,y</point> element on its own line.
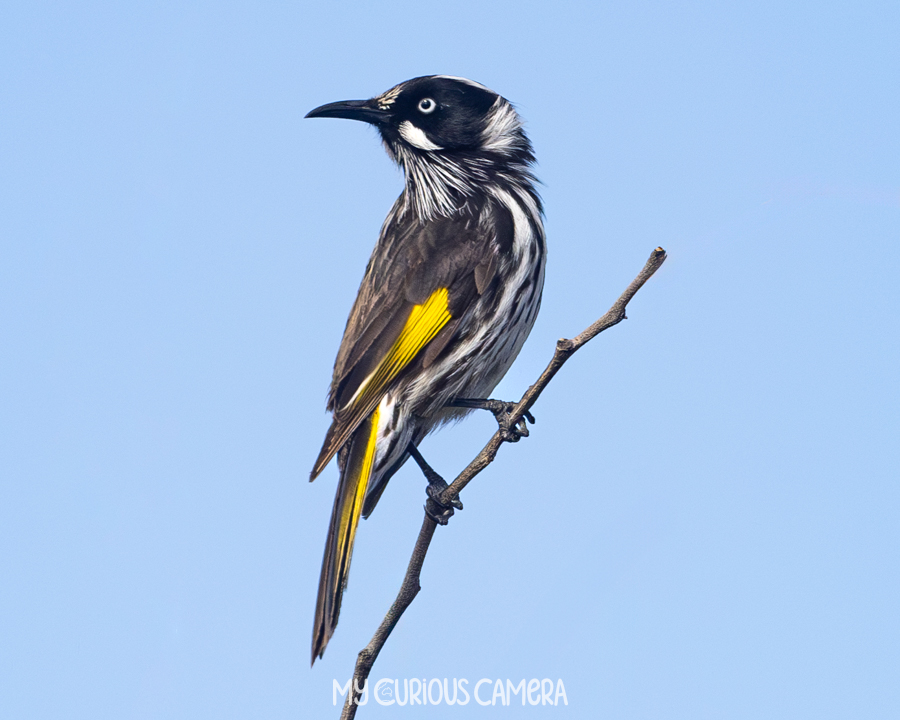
<point>364,110</point>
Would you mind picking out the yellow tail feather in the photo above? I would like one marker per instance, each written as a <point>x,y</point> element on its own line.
<point>348,503</point>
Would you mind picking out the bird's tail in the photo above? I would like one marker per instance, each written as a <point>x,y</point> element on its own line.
<point>348,503</point>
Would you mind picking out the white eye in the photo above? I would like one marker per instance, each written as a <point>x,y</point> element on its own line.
<point>427,105</point>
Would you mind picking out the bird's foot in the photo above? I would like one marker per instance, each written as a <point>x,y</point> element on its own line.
<point>435,507</point>
<point>511,432</point>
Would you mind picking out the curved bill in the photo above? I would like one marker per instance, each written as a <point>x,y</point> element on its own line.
<point>364,110</point>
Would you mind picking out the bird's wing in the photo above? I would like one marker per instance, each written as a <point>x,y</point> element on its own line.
<point>420,280</point>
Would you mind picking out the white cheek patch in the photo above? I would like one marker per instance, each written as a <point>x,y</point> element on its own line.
<point>416,137</point>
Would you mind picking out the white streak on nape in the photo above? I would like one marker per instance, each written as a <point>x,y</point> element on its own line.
<point>416,137</point>
<point>501,131</point>
<point>465,80</point>
<point>533,211</point>
<point>522,235</point>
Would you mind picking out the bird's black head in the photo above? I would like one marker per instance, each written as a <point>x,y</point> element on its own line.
<point>454,139</point>
<point>436,113</point>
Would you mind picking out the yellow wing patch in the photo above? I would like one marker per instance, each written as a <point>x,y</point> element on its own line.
<point>424,322</point>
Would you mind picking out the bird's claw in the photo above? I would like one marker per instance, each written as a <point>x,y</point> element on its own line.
<point>434,505</point>
<point>513,432</point>
<point>501,410</point>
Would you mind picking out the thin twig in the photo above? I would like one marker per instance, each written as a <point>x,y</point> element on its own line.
<point>410,587</point>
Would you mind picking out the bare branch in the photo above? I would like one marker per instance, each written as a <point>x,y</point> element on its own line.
<point>410,587</point>
<point>408,591</point>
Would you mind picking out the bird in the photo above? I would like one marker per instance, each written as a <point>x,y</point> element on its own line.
<point>448,298</point>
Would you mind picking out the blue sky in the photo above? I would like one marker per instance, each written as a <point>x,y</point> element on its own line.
<point>703,523</point>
